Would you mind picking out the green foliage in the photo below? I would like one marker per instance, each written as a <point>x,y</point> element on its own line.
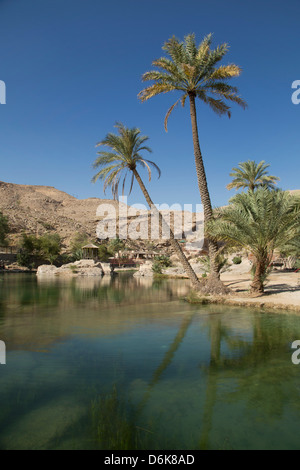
<point>297,264</point>
<point>163,260</point>
<point>25,259</point>
<point>160,262</point>
<point>79,240</point>
<point>259,221</point>
<point>49,247</point>
<point>4,229</point>
<point>237,260</point>
<point>157,267</point>
<point>46,249</point>
<point>115,245</point>
<point>194,72</point>
<point>104,254</point>
<point>252,175</point>
<point>123,155</point>
<point>222,262</point>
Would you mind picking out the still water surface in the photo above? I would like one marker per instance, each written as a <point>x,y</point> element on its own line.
<point>127,364</point>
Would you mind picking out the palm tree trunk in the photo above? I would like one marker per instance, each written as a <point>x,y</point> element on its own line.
<point>203,187</point>
<point>257,286</point>
<point>174,243</point>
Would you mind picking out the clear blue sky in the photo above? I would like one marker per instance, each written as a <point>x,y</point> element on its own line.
<point>73,68</point>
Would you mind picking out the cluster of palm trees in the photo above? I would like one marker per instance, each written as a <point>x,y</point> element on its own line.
<point>262,220</point>
<point>194,72</point>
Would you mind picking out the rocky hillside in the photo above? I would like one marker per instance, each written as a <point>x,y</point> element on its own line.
<point>40,209</point>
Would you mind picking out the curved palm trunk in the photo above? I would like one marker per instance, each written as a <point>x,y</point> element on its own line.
<point>203,188</point>
<point>174,243</point>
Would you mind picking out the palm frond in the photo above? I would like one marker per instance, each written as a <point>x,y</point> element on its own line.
<point>192,70</point>
<point>124,155</point>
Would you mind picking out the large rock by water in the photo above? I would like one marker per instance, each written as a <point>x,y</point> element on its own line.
<point>78,268</point>
<point>145,270</point>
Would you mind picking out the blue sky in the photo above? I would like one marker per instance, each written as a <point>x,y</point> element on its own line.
<point>73,68</point>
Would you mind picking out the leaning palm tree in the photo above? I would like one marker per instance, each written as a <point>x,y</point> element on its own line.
<point>194,72</point>
<point>252,175</point>
<point>123,156</point>
<point>260,221</point>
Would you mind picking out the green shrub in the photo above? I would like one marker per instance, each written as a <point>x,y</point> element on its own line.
<point>103,253</point>
<point>50,247</point>
<point>79,240</point>
<point>4,229</point>
<point>237,260</point>
<point>297,264</point>
<point>157,267</point>
<point>160,262</point>
<point>46,249</point>
<point>163,260</point>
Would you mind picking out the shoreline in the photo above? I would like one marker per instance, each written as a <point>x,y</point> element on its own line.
<point>282,292</point>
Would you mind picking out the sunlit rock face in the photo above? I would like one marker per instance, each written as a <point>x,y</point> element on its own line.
<point>78,268</point>
<point>145,270</point>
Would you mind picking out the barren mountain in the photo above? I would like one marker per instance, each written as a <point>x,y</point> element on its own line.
<point>40,209</point>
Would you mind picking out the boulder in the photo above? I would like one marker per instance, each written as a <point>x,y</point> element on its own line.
<point>47,269</point>
<point>78,268</point>
<point>145,270</point>
<point>106,268</point>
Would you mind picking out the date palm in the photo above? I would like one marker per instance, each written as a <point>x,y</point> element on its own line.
<point>260,221</point>
<point>252,175</point>
<point>123,156</point>
<point>194,72</point>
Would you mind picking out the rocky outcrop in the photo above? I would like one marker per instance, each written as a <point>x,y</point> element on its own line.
<point>145,270</point>
<point>107,269</point>
<point>78,268</point>
<point>47,270</point>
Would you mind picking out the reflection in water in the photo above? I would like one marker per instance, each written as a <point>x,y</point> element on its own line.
<point>159,373</point>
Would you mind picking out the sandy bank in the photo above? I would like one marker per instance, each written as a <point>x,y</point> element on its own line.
<point>282,291</point>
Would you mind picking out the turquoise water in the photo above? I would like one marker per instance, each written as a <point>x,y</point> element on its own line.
<point>126,364</point>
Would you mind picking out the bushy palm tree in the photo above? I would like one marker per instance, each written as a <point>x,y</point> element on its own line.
<point>260,221</point>
<point>194,72</point>
<point>123,156</point>
<point>252,175</point>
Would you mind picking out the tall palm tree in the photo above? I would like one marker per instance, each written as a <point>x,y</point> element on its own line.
<point>261,221</point>
<point>123,156</point>
<point>252,175</point>
<point>194,72</point>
